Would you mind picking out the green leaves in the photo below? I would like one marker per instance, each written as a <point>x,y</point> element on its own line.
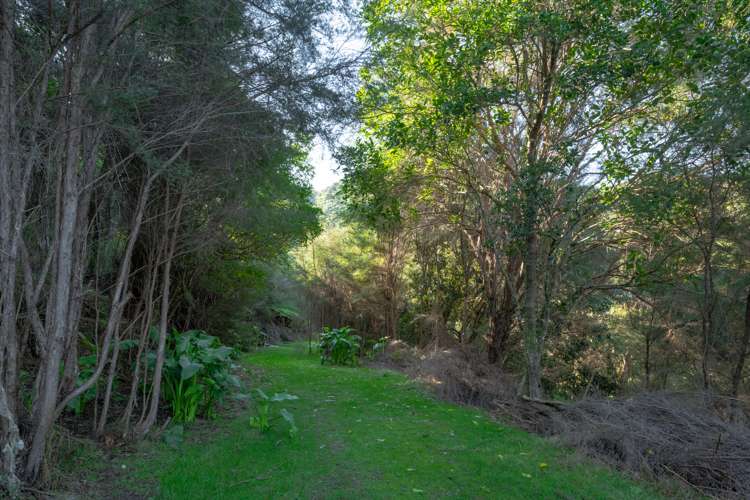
<point>86,366</point>
<point>262,395</point>
<point>188,367</point>
<point>339,346</point>
<point>287,312</point>
<point>368,185</point>
<point>196,374</point>
<point>290,420</point>
<point>262,420</point>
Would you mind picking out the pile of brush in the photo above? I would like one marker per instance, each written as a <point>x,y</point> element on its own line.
<point>683,437</point>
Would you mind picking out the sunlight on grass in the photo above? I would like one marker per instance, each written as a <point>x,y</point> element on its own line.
<point>371,434</point>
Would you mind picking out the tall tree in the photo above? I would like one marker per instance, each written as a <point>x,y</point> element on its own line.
<point>507,102</point>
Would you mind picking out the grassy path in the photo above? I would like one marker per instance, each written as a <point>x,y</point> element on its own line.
<point>370,434</point>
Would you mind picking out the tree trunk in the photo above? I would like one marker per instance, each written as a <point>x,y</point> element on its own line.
<point>110,382</point>
<point>90,143</point>
<point>11,445</point>
<point>530,323</point>
<point>44,410</point>
<point>11,213</point>
<point>501,317</point>
<point>741,357</point>
<point>120,297</point>
<point>707,314</point>
<point>647,361</point>
<point>145,426</point>
<point>151,269</point>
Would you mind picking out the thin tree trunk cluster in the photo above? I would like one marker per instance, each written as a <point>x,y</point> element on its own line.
<point>129,135</point>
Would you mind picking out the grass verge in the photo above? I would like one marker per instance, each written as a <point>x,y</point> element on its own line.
<point>370,434</point>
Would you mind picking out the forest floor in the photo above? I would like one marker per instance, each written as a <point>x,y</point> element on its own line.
<point>363,433</point>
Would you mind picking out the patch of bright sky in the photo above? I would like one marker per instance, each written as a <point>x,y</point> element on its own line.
<point>324,165</point>
<point>347,43</point>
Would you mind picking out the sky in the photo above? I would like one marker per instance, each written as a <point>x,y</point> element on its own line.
<point>324,166</point>
<point>347,44</point>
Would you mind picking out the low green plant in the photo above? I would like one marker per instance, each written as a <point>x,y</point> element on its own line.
<point>377,347</point>
<point>339,346</point>
<point>86,367</point>
<point>197,374</point>
<point>263,418</point>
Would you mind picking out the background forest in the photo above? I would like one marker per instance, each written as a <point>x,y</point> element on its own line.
<point>563,183</point>
<point>561,186</point>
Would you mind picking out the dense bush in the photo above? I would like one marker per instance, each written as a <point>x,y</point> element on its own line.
<point>339,346</point>
<point>197,374</point>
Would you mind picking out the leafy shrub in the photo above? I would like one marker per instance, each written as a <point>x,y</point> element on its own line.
<point>377,347</point>
<point>86,367</point>
<point>196,374</point>
<point>262,420</point>
<point>339,346</point>
<point>246,337</point>
<point>287,313</point>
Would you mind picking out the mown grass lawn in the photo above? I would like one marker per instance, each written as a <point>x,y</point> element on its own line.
<point>366,433</point>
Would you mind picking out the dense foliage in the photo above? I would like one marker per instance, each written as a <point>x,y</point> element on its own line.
<point>565,183</point>
<point>339,346</point>
<point>196,374</point>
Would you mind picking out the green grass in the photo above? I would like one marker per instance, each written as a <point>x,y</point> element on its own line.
<point>367,433</point>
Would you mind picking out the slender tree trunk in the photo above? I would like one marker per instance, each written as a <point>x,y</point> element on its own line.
<point>11,445</point>
<point>530,320</point>
<point>142,343</point>
<point>707,314</point>
<point>46,401</point>
<point>90,143</point>
<point>110,382</point>
<point>33,290</point>
<point>11,212</point>
<point>120,297</point>
<point>741,357</point>
<point>501,317</point>
<point>647,361</point>
<point>145,426</point>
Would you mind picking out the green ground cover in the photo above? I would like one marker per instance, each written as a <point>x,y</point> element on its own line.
<point>366,433</point>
